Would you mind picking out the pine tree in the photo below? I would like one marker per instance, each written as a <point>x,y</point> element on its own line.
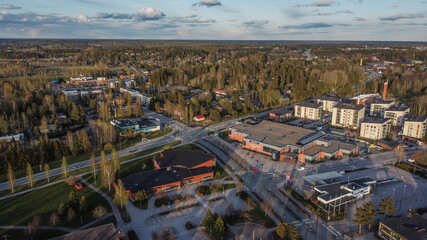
<point>64,167</point>
<point>360,217</point>
<point>10,178</point>
<point>208,221</point>
<point>47,172</point>
<point>282,230</point>
<point>292,232</point>
<point>371,214</point>
<point>387,207</point>
<point>121,197</point>
<point>218,232</point>
<point>30,175</point>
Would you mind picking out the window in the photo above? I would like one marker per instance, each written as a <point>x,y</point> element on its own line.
<point>267,149</point>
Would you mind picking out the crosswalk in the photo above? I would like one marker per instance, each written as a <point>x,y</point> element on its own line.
<point>332,230</point>
<point>299,224</point>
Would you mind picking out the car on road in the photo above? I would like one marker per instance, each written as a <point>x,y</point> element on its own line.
<point>301,168</point>
<point>411,160</point>
<point>413,148</point>
<point>254,170</point>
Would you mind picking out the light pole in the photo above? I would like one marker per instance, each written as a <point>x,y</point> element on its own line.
<point>394,189</point>
<point>404,188</point>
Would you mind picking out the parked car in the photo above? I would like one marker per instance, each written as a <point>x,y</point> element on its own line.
<point>301,168</point>
<point>254,170</point>
<point>78,186</point>
<point>411,160</point>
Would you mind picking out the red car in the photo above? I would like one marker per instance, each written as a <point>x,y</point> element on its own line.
<point>78,186</point>
<point>254,170</point>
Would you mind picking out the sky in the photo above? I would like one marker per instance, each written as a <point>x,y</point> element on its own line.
<point>377,20</point>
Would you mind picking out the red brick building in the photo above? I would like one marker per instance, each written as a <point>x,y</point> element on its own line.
<point>173,169</point>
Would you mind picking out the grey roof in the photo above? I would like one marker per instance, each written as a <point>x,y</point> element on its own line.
<point>309,104</point>
<point>322,176</point>
<point>335,145</point>
<point>375,120</point>
<point>415,119</point>
<point>381,101</point>
<point>399,108</point>
<point>281,111</point>
<point>328,98</point>
<point>351,106</point>
<point>413,227</point>
<point>183,158</point>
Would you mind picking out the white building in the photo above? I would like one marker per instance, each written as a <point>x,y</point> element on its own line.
<point>145,98</point>
<point>375,128</point>
<point>347,115</point>
<point>309,110</point>
<point>378,108</point>
<point>415,127</point>
<point>397,114</point>
<point>328,102</point>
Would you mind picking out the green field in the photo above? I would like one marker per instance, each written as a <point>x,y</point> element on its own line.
<point>21,209</point>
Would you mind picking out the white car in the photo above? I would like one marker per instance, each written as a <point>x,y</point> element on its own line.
<point>301,168</point>
<point>411,160</point>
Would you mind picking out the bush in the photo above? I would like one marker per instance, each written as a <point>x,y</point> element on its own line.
<point>132,235</point>
<point>109,147</point>
<point>242,194</point>
<point>189,225</point>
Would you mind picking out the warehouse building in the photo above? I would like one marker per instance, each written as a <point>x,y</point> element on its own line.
<point>281,141</point>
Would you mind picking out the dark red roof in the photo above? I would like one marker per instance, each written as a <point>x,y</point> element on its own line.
<point>200,116</point>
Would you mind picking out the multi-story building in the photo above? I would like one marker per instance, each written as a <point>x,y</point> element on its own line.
<point>403,228</point>
<point>137,124</point>
<point>328,102</point>
<point>308,110</point>
<point>145,98</point>
<point>347,115</point>
<point>397,114</point>
<point>364,98</point>
<point>415,127</point>
<point>377,108</point>
<point>280,115</point>
<point>375,128</point>
<point>281,141</point>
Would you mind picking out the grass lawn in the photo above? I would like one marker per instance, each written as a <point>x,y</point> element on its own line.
<point>206,190</point>
<point>21,209</point>
<point>412,169</point>
<point>19,234</point>
<point>220,172</point>
<point>224,135</point>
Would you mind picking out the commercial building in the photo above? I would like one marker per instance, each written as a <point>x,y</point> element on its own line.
<point>84,80</point>
<point>280,115</point>
<point>403,228</point>
<point>347,115</point>
<point>328,102</point>
<point>281,141</point>
<point>335,196</point>
<point>364,98</point>
<point>173,169</point>
<point>397,114</point>
<point>138,124</point>
<point>375,128</point>
<point>415,127</point>
<point>308,110</point>
<point>378,108</point>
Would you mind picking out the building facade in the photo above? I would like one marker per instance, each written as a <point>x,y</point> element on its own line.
<point>397,114</point>
<point>403,228</point>
<point>375,128</point>
<point>311,111</point>
<point>347,115</point>
<point>378,108</point>
<point>328,102</point>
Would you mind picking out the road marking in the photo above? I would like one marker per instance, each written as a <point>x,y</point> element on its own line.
<point>331,229</point>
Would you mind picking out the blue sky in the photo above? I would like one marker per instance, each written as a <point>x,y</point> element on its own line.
<point>390,20</point>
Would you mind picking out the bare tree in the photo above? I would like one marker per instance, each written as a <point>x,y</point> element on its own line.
<point>53,219</point>
<point>93,166</point>
<point>99,211</point>
<point>47,172</point>
<point>108,174</point>
<point>121,197</point>
<point>30,175</point>
<point>400,153</point>
<point>11,178</point>
<point>70,214</point>
<point>64,167</point>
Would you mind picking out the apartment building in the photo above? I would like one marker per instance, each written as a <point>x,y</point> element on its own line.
<point>415,127</point>
<point>328,102</point>
<point>378,108</point>
<point>375,127</point>
<point>347,115</point>
<point>307,110</point>
<point>397,114</point>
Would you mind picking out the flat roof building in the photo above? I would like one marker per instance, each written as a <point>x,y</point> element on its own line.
<point>375,127</point>
<point>280,115</point>
<point>328,102</point>
<point>347,115</point>
<point>397,114</point>
<point>184,158</point>
<point>311,111</point>
<point>283,141</point>
<point>403,228</point>
<point>378,107</point>
<point>415,127</point>
<point>138,124</point>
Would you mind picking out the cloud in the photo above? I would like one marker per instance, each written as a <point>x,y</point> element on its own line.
<point>9,6</point>
<point>256,23</point>
<point>401,16</point>
<point>308,26</point>
<point>359,19</point>
<point>30,18</point>
<point>335,13</point>
<point>326,3</point>
<point>142,15</point>
<point>207,3</point>
<point>295,13</point>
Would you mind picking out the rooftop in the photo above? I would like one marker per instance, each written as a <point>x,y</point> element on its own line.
<point>149,179</point>
<point>309,104</point>
<point>415,119</point>
<point>381,101</point>
<point>277,134</point>
<point>328,98</point>
<point>398,108</point>
<point>281,111</point>
<point>184,158</point>
<point>333,147</point>
<point>375,120</point>
<point>413,227</point>
<point>351,106</point>
<point>106,231</point>
<point>322,176</point>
